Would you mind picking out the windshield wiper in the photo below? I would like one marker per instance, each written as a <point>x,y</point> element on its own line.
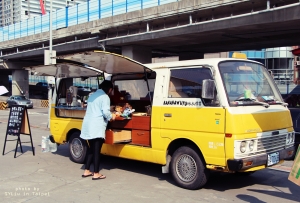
<point>254,101</point>
<point>273,101</point>
<point>282,103</point>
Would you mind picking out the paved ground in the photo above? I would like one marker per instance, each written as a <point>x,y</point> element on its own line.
<point>285,166</point>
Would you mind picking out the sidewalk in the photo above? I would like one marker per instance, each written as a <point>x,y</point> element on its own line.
<point>285,166</point>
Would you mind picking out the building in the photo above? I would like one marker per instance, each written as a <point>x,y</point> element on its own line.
<point>14,11</point>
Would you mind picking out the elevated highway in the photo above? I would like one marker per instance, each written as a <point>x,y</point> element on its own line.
<point>185,26</point>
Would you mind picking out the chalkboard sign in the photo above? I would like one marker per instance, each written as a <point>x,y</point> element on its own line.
<point>15,120</point>
<point>18,123</point>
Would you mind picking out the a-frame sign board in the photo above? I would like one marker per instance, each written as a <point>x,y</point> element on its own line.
<point>18,123</point>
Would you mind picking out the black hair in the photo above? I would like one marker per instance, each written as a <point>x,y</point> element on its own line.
<point>106,85</point>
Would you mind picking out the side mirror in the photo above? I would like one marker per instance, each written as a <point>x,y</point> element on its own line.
<point>208,89</point>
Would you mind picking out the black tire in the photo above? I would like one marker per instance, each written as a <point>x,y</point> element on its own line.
<point>77,148</point>
<point>188,169</point>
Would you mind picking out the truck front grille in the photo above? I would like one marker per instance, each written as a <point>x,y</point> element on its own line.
<point>271,143</point>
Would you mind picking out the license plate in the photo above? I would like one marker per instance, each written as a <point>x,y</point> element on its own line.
<point>273,158</point>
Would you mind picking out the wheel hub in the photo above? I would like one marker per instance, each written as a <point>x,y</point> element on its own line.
<point>186,168</point>
<point>77,148</point>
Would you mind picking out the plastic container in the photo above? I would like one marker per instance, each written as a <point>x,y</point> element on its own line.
<point>45,144</point>
<point>52,146</point>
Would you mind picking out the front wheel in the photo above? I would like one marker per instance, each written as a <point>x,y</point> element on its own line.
<point>188,169</point>
<point>77,148</point>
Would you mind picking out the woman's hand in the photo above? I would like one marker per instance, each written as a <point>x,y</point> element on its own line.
<point>113,117</point>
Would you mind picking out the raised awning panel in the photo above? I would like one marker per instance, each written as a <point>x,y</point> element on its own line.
<point>107,62</point>
<point>89,63</point>
<point>63,70</point>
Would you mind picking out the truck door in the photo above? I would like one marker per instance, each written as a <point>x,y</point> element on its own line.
<point>184,114</point>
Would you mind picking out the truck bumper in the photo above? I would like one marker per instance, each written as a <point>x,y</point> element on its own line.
<point>259,160</point>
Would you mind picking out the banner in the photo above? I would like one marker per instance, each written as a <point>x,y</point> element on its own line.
<point>42,7</point>
<point>295,172</point>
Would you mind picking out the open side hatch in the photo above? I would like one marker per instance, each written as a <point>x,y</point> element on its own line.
<point>89,63</point>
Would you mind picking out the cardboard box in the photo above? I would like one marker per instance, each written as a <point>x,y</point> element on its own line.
<point>294,175</point>
<point>117,136</point>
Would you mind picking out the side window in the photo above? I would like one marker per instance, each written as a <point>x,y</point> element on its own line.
<point>187,83</point>
<point>133,89</point>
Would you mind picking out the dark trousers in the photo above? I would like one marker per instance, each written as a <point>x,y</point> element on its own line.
<point>93,153</point>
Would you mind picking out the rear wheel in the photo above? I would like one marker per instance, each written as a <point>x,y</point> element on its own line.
<point>188,169</point>
<point>77,148</point>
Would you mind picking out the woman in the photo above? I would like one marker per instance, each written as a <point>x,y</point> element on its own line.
<point>94,125</point>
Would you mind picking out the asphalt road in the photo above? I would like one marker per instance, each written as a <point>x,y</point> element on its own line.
<point>52,177</point>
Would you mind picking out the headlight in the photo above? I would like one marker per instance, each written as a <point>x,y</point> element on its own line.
<point>289,138</point>
<point>243,146</point>
<point>292,137</point>
<point>251,145</point>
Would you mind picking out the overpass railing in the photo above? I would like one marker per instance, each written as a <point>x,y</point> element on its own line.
<point>80,13</point>
<point>90,11</point>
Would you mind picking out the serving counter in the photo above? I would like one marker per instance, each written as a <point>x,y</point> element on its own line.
<point>136,130</point>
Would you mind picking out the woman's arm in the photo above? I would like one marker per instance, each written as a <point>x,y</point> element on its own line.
<point>106,109</point>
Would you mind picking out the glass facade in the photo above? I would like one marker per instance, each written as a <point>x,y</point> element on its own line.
<point>279,61</point>
<point>14,11</point>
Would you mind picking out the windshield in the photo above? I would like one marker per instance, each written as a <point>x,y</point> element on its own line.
<point>248,83</point>
<point>20,98</point>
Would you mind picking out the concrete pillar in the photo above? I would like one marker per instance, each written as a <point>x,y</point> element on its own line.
<point>190,55</point>
<point>20,83</point>
<point>138,53</point>
<point>20,80</point>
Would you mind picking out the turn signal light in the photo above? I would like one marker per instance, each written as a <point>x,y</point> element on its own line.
<point>228,135</point>
<point>248,163</point>
<point>290,152</point>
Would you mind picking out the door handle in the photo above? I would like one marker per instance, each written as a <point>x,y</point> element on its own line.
<point>140,134</point>
<point>168,115</point>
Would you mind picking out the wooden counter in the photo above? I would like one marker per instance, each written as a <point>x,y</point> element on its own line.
<point>138,126</point>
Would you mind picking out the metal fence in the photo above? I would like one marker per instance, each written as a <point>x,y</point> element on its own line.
<point>283,76</point>
<point>77,14</point>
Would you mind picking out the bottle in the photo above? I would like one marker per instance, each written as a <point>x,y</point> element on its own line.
<point>45,144</point>
<point>52,146</point>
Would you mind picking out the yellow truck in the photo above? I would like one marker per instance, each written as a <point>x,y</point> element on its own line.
<point>191,117</point>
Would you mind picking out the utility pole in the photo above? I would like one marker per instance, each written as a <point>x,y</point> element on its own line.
<point>49,55</point>
<point>50,30</point>
<point>49,59</point>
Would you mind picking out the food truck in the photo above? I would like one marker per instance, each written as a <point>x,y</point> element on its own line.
<point>191,117</point>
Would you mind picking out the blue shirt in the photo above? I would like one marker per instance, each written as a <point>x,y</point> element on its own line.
<point>97,116</point>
